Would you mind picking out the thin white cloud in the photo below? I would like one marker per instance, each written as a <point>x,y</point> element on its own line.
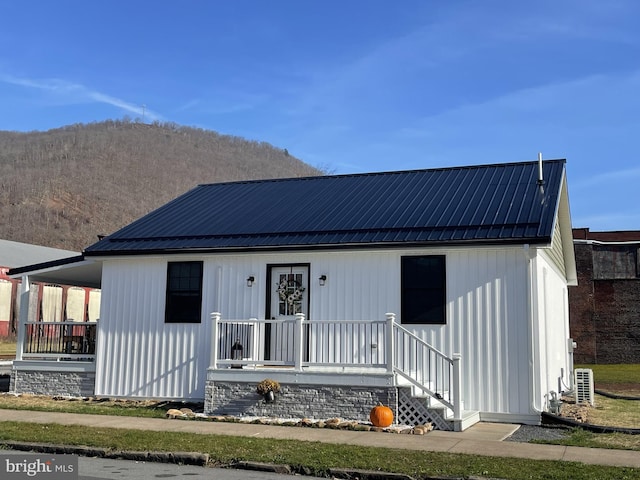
<point>607,177</point>
<point>577,104</point>
<point>75,92</point>
<point>188,105</point>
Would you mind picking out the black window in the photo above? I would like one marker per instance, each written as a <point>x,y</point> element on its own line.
<point>423,289</point>
<point>184,292</point>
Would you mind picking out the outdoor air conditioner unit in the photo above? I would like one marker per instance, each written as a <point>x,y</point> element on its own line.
<point>584,385</point>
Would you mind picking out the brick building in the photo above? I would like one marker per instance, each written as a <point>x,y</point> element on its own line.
<point>604,309</point>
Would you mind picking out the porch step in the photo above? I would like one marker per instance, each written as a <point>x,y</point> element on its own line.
<point>469,419</point>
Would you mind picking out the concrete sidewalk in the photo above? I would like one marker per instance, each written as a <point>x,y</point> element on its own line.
<point>481,439</point>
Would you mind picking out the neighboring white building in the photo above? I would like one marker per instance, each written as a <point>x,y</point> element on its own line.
<point>16,254</point>
<point>304,274</point>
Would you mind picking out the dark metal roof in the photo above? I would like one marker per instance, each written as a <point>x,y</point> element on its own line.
<point>483,204</point>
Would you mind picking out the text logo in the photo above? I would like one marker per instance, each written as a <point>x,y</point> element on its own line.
<point>29,466</point>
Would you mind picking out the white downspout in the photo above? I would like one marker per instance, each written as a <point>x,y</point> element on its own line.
<point>533,340</point>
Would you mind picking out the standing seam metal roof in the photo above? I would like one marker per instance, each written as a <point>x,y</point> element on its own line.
<point>486,204</point>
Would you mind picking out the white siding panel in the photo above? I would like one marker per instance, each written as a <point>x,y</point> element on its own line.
<point>138,354</point>
<point>5,301</point>
<point>553,330</point>
<point>51,310</point>
<point>75,304</point>
<point>487,322</point>
<point>487,317</point>
<point>94,305</point>
<point>359,285</point>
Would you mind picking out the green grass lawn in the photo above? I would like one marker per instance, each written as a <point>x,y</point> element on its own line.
<point>584,438</point>
<point>313,457</point>
<point>156,409</point>
<point>612,374</point>
<point>7,347</point>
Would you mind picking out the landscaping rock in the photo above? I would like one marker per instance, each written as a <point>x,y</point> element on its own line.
<point>422,429</point>
<point>174,413</point>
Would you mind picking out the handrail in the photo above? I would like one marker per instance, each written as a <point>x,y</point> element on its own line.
<point>427,368</point>
<point>298,343</point>
<point>419,340</point>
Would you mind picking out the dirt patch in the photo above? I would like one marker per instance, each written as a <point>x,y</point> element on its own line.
<point>631,389</point>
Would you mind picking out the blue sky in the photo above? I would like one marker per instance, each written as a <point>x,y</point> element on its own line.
<point>352,86</point>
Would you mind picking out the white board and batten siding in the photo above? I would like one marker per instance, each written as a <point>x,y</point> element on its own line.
<point>551,352</point>
<point>487,317</point>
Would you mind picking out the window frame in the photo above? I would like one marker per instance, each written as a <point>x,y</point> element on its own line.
<point>189,296</point>
<point>437,292</point>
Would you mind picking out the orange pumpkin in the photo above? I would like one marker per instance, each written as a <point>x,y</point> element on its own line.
<point>381,416</point>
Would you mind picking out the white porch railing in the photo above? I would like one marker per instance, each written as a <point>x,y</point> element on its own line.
<point>368,344</point>
<point>298,343</point>
<point>58,341</point>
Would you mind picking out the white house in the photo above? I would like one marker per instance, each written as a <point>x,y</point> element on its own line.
<point>440,292</point>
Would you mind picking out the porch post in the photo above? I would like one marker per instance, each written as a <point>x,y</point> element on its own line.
<point>298,336</point>
<point>24,316</point>
<point>457,387</point>
<point>215,318</point>
<point>390,343</point>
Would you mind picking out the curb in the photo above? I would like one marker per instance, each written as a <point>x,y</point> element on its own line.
<point>179,458</point>
<point>354,474</point>
<point>263,467</point>
<point>202,460</point>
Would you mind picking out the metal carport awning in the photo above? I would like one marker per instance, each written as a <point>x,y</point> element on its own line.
<point>76,271</point>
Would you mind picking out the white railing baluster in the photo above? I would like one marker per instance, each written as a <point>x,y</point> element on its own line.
<point>215,320</point>
<point>457,388</point>
<point>391,318</point>
<point>298,341</point>
<point>427,368</point>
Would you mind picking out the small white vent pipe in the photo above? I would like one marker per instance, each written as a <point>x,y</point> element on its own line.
<point>540,177</point>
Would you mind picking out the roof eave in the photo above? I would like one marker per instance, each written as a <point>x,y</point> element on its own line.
<point>325,246</point>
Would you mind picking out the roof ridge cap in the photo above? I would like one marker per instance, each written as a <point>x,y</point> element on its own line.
<point>373,174</point>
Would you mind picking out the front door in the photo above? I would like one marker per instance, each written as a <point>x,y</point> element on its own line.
<point>289,295</point>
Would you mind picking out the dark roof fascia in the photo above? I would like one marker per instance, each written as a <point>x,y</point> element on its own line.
<point>44,265</point>
<point>320,247</point>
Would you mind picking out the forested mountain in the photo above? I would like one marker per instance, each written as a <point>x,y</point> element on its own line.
<point>63,187</point>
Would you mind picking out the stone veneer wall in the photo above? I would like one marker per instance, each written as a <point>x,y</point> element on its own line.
<point>298,401</point>
<point>68,384</point>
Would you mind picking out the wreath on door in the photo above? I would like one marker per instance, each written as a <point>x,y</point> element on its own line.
<point>290,291</point>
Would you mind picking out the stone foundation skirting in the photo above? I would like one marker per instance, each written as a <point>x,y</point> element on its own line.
<point>298,400</point>
<point>53,382</point>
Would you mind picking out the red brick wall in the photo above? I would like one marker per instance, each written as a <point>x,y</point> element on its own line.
<point>582,309</point>
<point>604,314</point>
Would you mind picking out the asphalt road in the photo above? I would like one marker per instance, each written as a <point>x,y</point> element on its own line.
<point>105,469</point>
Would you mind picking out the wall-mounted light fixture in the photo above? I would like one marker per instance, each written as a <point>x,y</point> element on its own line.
<point>322,280</point>
<point>250,281</point>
